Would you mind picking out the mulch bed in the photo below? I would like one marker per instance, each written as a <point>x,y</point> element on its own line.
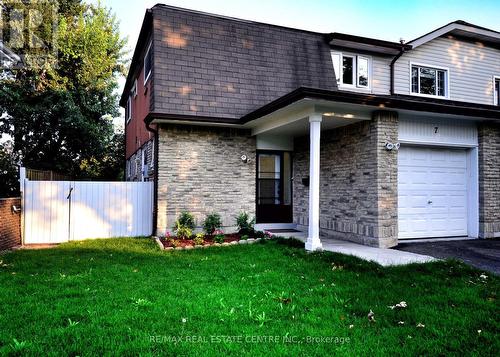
<point>228,238</point>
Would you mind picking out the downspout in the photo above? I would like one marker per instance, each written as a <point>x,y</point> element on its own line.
<point>155,169</point>
<point>401,52</point>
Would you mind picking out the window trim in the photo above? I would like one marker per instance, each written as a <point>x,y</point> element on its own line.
<point>128,110</point>
<point>133,91</point>
<point>496,101</point>
<point>355,83</point>
<point>431,66</point>
<point>147,75</point>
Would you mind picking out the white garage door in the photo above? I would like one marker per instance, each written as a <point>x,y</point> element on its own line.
<point>432,192</point>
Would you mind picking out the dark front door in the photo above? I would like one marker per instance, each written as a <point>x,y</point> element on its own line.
<point>274,187</point>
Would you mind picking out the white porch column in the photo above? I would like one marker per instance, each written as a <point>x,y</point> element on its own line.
<point>313,242</point>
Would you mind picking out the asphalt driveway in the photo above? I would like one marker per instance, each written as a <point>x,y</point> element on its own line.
<point>481,253</point>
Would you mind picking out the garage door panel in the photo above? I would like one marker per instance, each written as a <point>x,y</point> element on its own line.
<point>432,186</point>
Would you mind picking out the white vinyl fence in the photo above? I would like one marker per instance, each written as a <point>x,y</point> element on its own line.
<point>62,211</point>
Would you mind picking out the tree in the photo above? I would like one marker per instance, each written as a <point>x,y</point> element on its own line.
<point>59,113</point>
<point>9,186</point>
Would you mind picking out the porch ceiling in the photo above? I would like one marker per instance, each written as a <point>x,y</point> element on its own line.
<point>292,120</point>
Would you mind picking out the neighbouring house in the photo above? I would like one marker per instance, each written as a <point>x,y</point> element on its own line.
<point>337,135</point>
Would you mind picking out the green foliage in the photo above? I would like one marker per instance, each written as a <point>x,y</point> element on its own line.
<point>219,238</point>
<point>59,113</point>
<point>199,239</point>
<point>9,186</point>
<point>259,234</point>
<point>181,231</point>
<point>244,223</point>
<point>185,219</point>
<point>211,223</point>
<point>244,237</point>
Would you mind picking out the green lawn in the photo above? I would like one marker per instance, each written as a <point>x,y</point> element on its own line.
<point>126,297</point>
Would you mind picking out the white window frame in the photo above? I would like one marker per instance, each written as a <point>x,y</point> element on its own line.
<point>430,66</point>
<point>133,91</point>
<point>495,97</point>
<point>339,73</point>
<point>128,110</point>
<point>147,75</point>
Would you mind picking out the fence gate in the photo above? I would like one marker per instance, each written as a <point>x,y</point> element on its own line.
<point>62,211</point>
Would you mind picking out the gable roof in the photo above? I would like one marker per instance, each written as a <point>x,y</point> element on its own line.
<point>461,29</point>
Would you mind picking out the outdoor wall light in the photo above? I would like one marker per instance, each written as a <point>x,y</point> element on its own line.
<point>245,159</point>
<point>391,146</point>
<point>330,114</point>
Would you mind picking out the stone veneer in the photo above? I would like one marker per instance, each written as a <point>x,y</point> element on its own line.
<point>200,170</point>
<point>358,184</point>
<point>489,180</point>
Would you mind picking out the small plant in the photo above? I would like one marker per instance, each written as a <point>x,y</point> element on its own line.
<point>186,219</point>
<point>268,235</point>
<point>173,242</point>
<point>218,236</point>
<point>259,234</point>
<point>182,231</point>
<point>244,237</point>
<point>199,239</point>
<point>244,223</point>
<point>211,223</point>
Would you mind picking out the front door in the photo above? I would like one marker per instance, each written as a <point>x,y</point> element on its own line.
<point>274,187</point>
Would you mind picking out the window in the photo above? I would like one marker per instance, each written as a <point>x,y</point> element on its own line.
<point>497,91</point>
<point>128,110</point>
<point>429,81</point>
<point>148,64</point>
<point>351,70</point>
<point>133,91</point>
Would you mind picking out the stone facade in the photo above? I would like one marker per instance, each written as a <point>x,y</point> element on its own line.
<point>200,170</point>
<point>489,180</point>
<point>10,227</point>
<point>358,183</point>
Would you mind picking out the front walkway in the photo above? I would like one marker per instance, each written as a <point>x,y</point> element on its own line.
<point>384,257</point>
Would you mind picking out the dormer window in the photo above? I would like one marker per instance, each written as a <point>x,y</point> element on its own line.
<point>429,81</point>
<point>351,71</point>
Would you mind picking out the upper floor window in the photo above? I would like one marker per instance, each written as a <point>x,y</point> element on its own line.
<point>429,81</point>
<point>133,91</point>
<point>128,110</point>
<point>352,71</point>
<point>148,64</point>
<point>497,91</point>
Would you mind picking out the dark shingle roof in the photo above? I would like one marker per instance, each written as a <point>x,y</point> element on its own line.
<point>209,65</point>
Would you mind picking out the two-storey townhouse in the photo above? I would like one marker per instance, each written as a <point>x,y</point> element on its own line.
<point>333,134</point>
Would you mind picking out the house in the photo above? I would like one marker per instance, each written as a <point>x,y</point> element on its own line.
<point>337,135</point>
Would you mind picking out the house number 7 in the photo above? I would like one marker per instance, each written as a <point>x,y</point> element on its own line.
<point>436,129</point>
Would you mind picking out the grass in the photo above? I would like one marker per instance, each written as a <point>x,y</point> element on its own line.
<point>126,297</point>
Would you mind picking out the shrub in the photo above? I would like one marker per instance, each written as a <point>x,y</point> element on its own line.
<point>181,231</point>
<point>219,236</point>
<point>186,220</point>
<point>173,242</point>
<point>211,223</point>
<point>244,223</point>
<point>199,239</point>
<point>259,234</point>
<point>244,237</point>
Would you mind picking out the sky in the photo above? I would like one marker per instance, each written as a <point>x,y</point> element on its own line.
<point>381,19</point>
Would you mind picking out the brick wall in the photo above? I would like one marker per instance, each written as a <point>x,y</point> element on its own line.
<point>358,197</point>
<point>10,223</point>
<point>489,180</point>
<point>200,170</point>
